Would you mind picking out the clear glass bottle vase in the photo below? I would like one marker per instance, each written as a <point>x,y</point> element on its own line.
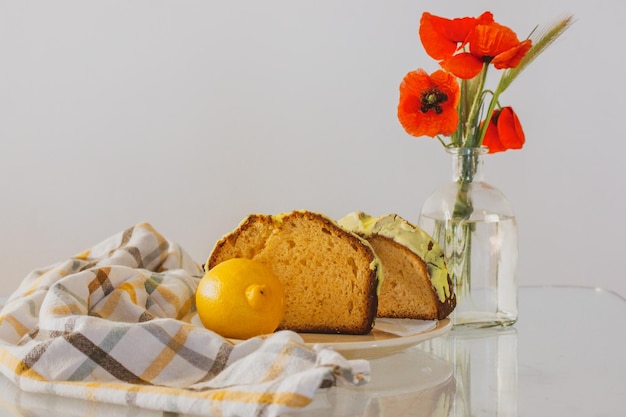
<point>475,225</point>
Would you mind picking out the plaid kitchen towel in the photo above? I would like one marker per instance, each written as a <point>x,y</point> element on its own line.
<point>114,324</point>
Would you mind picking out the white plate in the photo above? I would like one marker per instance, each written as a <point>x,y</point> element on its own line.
<point>376,343</point>
<point>373,345</point>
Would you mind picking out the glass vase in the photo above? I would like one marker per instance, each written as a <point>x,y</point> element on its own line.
<point>474,224</point>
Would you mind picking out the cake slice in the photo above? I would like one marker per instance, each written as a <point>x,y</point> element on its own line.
<point>330,275</point>
<point>416,282</point>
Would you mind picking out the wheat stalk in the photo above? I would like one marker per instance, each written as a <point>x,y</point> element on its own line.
<point>541,41</point>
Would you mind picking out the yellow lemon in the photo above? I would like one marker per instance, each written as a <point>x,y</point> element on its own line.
<point>240,298</point>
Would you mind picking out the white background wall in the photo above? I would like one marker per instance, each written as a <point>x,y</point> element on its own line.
<point>192,114</point>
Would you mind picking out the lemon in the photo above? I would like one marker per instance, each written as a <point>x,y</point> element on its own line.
<point>240,298</point>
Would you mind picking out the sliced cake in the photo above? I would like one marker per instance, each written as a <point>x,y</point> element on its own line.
<point>416,282</point>
<point>330,275</point>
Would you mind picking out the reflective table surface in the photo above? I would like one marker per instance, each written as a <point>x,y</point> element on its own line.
<point>564,357</point>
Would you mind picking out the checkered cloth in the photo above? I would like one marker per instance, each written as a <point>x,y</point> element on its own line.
<point>114,325</point>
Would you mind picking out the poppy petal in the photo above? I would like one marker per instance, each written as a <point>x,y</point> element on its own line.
<point>463,65</point>
<point>510,129</point>
<point>504,131</point>
<point>512,57</point>
<point>491,40</point>
<point>492,138</point>
<point>441,37</point>
<point>485,19</point>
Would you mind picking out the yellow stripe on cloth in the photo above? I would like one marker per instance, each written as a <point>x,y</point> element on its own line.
<point>17,366</point>
<point>167,354</point>
<point>36,284</point>
<point>20,329</point>
<point>130,289</point>
<point>112,303</point>
<point>84,255</point>
<point>278,367</point>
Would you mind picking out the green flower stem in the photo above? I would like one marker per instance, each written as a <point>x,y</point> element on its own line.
<point>490,109</point>
<point>462,206</point>
<point>460,230</point>
<point>461,263</point>
<point>471,123</point>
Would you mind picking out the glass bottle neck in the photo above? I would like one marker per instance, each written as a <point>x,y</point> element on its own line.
<point>467,164</point>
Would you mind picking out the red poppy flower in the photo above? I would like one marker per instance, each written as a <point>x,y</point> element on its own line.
<point>428,103</point>
<point>504,131</point>
<point>486,42</point>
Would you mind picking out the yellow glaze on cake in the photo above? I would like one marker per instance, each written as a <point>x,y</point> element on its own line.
<point>404,233</point>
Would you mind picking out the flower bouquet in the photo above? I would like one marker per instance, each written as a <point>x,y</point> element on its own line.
<point>470,219</point>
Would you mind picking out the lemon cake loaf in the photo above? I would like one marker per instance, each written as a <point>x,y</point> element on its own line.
<point>416,282</point>
<point>330,276</point>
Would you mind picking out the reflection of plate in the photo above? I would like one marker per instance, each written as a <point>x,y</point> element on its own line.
<point>410,382</point>
<point>407,371</point>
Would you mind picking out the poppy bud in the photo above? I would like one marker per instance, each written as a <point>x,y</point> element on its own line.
<point>504,131</point>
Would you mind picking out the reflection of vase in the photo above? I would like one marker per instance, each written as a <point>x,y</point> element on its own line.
<point>475,226</point>
<point>484,365</point>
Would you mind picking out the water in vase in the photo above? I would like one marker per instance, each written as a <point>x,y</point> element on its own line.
<point>481,253</point>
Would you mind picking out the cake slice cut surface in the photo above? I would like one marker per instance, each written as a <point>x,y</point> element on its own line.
<point>330,276</point>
